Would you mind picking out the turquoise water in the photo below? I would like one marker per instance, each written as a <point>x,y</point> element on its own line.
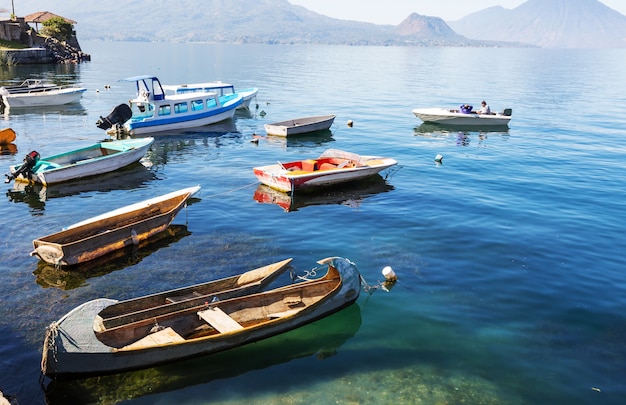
<point>509,253</point>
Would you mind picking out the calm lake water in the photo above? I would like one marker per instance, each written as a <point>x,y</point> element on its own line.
<point>509,253</point>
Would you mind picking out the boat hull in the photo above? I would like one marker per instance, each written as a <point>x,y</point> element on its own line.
<point>86,162</point>
<point>43,99</point>
<point>159,125</point>
<point>103,234</point>
<point>299,126</point>
<point>71,348</point>
<point>451,117</point>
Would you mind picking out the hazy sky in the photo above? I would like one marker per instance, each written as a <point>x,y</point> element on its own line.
<point>395,11</point>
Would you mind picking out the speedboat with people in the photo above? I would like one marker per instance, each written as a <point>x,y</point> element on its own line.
<point>465,115</point>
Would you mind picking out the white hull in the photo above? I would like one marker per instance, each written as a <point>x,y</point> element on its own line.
<point>299,126</point>
<point>36,93</point>
<point>453,117</point>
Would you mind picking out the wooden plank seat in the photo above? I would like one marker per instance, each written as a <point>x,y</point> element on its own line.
<point>164,336</point>
<point>219,320</point>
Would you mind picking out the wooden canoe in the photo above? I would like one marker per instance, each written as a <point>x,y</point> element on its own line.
<point>299,126</point>
<point>80,343</point>
<point>97,236</point>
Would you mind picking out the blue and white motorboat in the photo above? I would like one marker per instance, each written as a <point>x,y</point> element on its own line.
<point>152,110</point>
<point>218,87</point>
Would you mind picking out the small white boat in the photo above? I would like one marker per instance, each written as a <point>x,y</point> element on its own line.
<point>302,125</point>
<point>218,87</point>
<point>331,167</point>
<point>97,236</point>
<point>463,116</point>
<point>100,158</point>
<point>36,93</point>
<point>154,111</point>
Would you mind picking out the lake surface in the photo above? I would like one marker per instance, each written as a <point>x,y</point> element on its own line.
<point>510,253</point>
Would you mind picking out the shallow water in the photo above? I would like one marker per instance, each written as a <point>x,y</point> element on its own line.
<point>509,253</point>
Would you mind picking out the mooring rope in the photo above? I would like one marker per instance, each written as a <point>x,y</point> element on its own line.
<point>256,183</point>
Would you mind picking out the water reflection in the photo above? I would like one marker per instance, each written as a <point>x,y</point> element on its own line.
<point>316,341</point>
<point>65,109</point>
<point>310,139</point>
<point>8,149</point>
<point>207,131</point>
<point>351,194</point>
<point>69,278</point>
<point>128,178</point>
<point>462,134</point>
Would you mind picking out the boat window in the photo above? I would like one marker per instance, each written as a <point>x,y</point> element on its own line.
<point>210,103</point>
<point>165,109</point>
<point>180,108</point>
<point>196,105</point>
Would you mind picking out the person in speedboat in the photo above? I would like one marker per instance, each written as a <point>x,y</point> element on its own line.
<point>484,108</point>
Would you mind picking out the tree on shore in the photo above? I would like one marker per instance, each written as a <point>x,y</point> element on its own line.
<point>57,27</point>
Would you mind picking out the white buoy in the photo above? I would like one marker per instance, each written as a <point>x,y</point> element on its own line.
<point>350,123</point>
<point>438,158</point>
<point>389,274</point>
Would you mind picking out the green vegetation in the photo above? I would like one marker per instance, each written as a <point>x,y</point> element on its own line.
<point>11,45</point>
<point>58,28</point>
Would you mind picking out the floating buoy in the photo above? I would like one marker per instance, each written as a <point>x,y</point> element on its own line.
<point>350,123</point>
<point>438,158</point>
<point>389,274</point>
<point>262,113</point>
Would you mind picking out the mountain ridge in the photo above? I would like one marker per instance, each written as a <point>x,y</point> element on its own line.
<point>279,22</point>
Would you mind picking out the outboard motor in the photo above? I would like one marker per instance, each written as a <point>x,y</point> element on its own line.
<point>119,115</point>
<point>26,169</point>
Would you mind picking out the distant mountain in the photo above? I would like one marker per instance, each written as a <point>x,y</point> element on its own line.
<point>545,23</point>
<point>549,24</point>
<point>240,21</point>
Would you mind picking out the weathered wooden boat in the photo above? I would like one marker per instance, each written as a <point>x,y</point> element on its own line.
<point>299,126</point>
<point>331,167</point>
<point>316,341</point>
<point>84,341</point>
<point>464,116</point>
<point>113,230</point>
<point>218,87</point>
<point>36,93</point>
<point>152,110</point>
<point>102,157</point>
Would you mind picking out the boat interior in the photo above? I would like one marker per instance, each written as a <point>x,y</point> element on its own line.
<point>220,317</point>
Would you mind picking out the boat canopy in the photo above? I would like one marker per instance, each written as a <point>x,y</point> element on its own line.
<point>147,85</point>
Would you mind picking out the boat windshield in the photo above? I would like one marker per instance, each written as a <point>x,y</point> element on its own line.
<point>336,153</point>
